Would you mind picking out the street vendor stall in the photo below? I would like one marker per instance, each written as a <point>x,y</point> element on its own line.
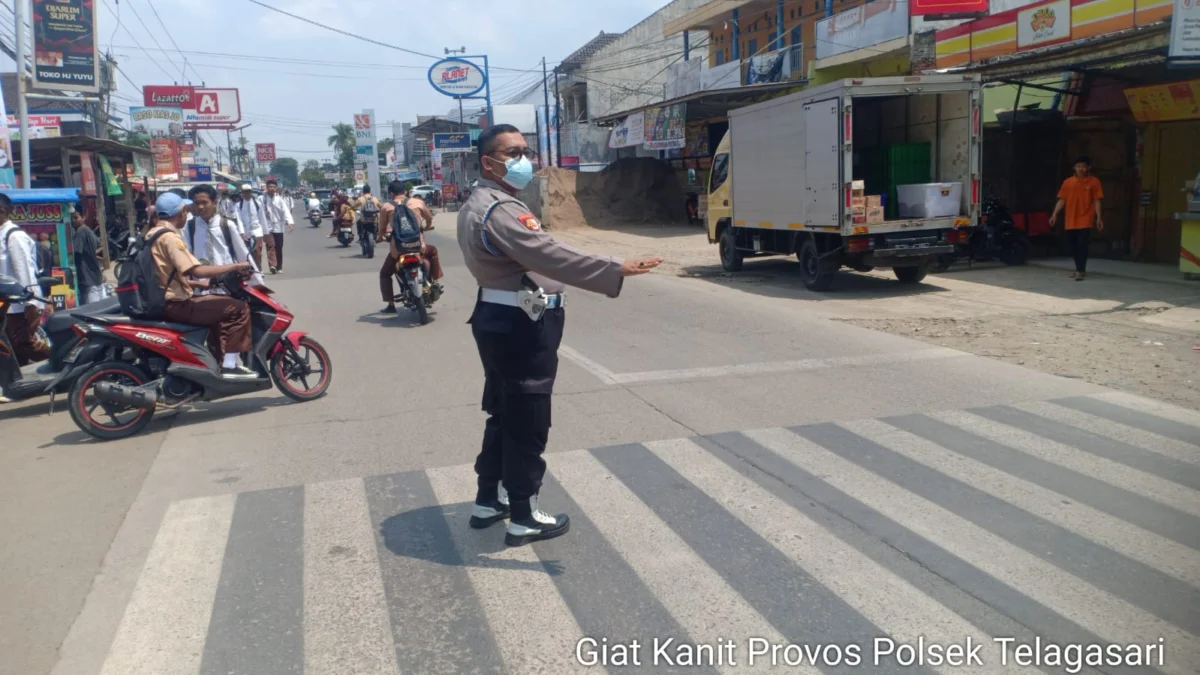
<point>45,213</point>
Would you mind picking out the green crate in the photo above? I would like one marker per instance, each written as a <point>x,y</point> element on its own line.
<point>906,164</point>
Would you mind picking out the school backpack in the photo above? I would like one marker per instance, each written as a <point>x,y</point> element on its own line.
<point>138,289</point>
<point>406,231</point>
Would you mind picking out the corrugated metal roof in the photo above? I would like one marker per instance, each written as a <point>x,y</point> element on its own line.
<point>577,57</point>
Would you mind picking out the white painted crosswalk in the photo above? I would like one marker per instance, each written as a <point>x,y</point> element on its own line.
<point>1071,526</point>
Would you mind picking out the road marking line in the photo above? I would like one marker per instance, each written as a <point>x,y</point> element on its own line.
<point>603,374</point>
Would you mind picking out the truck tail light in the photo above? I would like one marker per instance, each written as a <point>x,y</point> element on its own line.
<point>956,236</point>
<point>849,124</point>
<point>975,118</point>
<point>974,191</point>
<point>858,244</point>
<point>847,195</point>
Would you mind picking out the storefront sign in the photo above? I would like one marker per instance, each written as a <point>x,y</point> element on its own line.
<point>332,175</point>
<point>38,218</point>
<point>947,9</point>
<point>142,168</point>
<point>449,192</point>
<point>166,158</point>
<point>630,132</point>
<point>1044,24</point>
<point>457,77</point>
<point>1185,30</point>
<point>40,126</point>
<point>168,96</point>
<point>156,122</point>
<point>8,178</point>
<point>264,152</point>
<point>1165,102</point>
<point>64,46</point>
<point>111,187</point>
<point>214,109</point>
<point>664,127</point>
<point>861,27</point>
<point>456,141</point>
<point>199,173</point>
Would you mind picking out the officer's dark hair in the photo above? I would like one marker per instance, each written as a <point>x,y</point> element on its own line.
<point>206,189</point>
<point>487,139</point>
<point>396,188</point>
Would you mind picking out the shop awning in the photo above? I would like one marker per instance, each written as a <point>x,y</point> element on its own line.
<point>43,195</point>
<point>708,103</point>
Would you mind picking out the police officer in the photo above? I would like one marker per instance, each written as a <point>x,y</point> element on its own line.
<point>518,324</point>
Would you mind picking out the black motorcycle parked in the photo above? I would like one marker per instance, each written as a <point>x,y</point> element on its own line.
<point>70,354</point>
<point>994,238</point>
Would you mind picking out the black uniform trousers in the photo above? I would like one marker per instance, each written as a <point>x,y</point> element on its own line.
<point>520,362</point>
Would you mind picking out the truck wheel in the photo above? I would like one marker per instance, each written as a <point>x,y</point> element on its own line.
<point>941,263</point>
<point>813,275</point>
<point>1015,251</point>
<point>909,275</point>
<point>731,258</point>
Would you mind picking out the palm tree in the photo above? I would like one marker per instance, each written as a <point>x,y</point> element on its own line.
<point>342,141</point>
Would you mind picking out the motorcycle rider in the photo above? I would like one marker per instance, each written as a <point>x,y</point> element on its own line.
<point>312,204</point>
<point>368,208</point>
<point>400,194</point>
<point>18,259</point>
<point>341,211</point>
<point>228,318</point>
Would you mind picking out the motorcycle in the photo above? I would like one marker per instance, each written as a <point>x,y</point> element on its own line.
<point>366,237</point>
<point>345,235</point>
<point>70,354</point>
<point>994,238</point>
<point>314,217</point>
<point>416,292</point>
<point>171,365</point>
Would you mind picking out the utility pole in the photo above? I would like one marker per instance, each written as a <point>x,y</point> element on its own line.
<point>19,7</point>
<point>546,101</point>
<point>558,123</point>
<point>107,66</point>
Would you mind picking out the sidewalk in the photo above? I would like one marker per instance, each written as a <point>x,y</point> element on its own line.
<point>1166,273</point>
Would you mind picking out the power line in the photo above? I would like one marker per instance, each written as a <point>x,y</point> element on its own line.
<point>172,39</point>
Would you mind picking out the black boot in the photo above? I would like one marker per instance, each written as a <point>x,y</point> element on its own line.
<point>488,510</point>
<point>534,524</point>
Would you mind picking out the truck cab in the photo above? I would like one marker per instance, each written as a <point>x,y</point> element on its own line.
<point>720,191</point>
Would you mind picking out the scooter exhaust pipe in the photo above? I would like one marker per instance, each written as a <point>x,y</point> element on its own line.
<point>137,397</point>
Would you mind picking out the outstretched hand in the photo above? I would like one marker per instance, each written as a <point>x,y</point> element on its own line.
<point>638,266</point>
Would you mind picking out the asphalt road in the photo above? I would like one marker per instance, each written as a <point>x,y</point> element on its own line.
<point>735,471</point>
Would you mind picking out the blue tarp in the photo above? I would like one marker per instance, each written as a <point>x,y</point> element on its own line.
<point>43,195</point>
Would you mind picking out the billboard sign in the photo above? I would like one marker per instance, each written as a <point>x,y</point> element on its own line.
<point>452,141</point>
<point>457,77</point>
<point>217,108</point>
<point>948,9</point>
<point>199,173</point>
<point>40,126</point>
<point>861,27</point>
<point>156,122</point>
<point>264,152</point>
<point>8,174</point>
<point>1045,24</point>
<point>166,158</point>
<point>168,96</point>
<point>64,46</point>
<point>1185,30</point>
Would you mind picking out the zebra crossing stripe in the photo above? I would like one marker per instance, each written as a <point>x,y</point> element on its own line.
<point>1154,409</point>
<point>1187,453</point>
<point>166,622</point>
<point>1111,618</point>
<point>1162,426</point>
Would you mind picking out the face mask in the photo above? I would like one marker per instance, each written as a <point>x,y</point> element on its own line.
<point>520,172</point>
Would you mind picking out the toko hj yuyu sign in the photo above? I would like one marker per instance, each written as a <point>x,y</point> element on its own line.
<point>457,77</point>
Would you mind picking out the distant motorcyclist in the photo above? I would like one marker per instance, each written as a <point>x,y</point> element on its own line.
<point>312,204</point>
<point>368,208</point>
<point>338,205</point>
<point>429,254</point>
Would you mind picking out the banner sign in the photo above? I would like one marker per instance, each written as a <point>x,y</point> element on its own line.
<point>8,177</point>
<point>366,148</point>
<point>630,132</point>
<point>156,122</point>
<point>1165,102</point>
<point>947,9</point>
<point>166,158</point>
<point>264,152</point>
<point>40,126</point>
<point>547,135</point>
<point>111,187</point>
<point>1044,25</point>
<point>453,141</point>
<point>168,96</point>
<point>332,175</point>
<point>88,174</point>
<point>664,127</point>
<point>64,45</point>
<point>199,173</point>
<point>213,108</point>
<point>1185,30</point>
<point>457,77</point>
<point>36,216</point>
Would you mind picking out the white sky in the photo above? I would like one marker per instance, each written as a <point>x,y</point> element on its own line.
<point>295,104</point>
<point>302,79</point>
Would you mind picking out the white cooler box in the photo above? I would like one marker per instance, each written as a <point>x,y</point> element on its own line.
<point>929,200</point>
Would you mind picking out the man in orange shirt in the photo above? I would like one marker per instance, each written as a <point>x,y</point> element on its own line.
<point>1080,195</point>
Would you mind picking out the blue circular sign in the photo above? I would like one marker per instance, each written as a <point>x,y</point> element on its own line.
<point>457,77</point>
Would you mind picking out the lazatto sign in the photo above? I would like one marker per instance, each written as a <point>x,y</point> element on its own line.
<point>169,96</point>
<point>457,77</point>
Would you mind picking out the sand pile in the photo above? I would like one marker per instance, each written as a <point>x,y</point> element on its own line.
<point>633,190</point>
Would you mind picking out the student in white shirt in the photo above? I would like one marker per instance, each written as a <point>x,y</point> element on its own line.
<point>18,259</point>
<point>278,217</point>
<point>253,220</point>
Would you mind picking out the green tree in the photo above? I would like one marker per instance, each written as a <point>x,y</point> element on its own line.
<point>312,173</point>
<point>342,141</point>
<point>385,145</point>
<point>287,170</point>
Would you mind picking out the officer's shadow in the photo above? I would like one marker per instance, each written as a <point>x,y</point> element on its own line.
<point>441,535</point>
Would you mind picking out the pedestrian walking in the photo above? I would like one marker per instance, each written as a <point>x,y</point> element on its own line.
<point>253,220</point>
<point>278,216</point>
<point>518,324</point>
<point>85,245</point>
<point>1080,196</point>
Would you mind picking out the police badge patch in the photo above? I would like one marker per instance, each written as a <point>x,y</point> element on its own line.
<point>530,222</point>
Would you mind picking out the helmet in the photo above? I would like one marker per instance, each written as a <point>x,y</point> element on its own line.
<point>312,194</point>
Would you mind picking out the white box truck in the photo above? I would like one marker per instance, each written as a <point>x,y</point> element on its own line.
<point>790,175</point>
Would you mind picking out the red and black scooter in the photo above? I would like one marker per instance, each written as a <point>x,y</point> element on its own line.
<point>171,365</point>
